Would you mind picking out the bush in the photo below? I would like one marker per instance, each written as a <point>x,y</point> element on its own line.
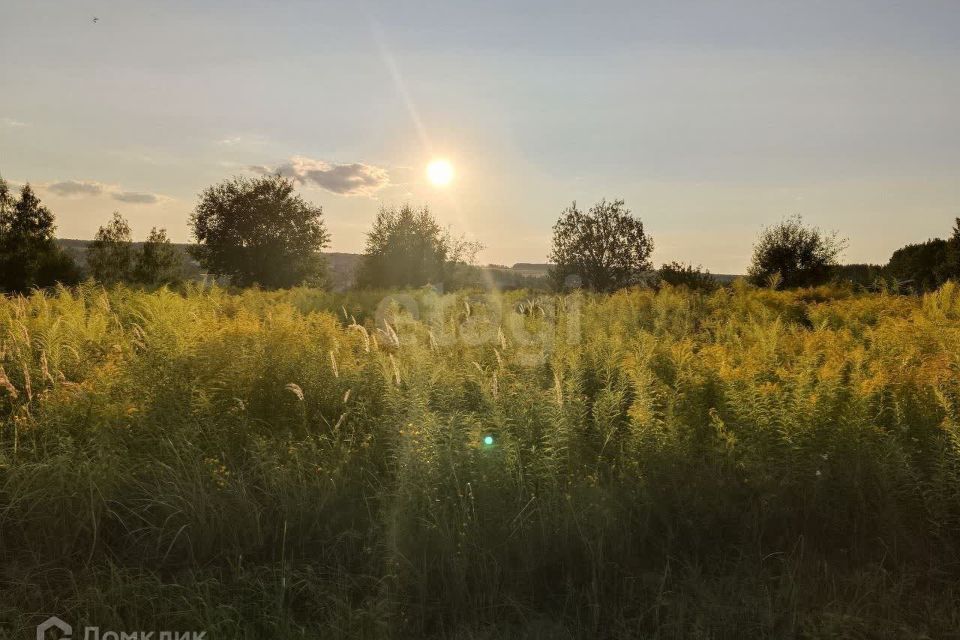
<point>793,254</point>
<point>678,274</point>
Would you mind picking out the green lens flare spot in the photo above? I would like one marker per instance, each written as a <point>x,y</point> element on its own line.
<point>488,441</point>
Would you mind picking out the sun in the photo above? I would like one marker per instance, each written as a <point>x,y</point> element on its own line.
<point>440,172</point>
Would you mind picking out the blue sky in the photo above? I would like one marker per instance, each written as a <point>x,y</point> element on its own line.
<point>709,118</point>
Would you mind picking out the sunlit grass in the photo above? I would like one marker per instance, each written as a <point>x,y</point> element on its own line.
<point>746,463</point>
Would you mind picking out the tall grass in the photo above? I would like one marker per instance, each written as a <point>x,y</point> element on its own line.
<point>746,463</point>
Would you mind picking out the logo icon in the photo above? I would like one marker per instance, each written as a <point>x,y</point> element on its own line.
<point>54,622</point>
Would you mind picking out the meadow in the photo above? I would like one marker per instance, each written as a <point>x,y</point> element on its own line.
<point>303,464</point>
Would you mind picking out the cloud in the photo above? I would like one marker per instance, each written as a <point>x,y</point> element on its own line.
<point>135,197</point>
<point>88,188</point>
<point>76,188</point>
<point>356,179</point>
<point>10,122</point>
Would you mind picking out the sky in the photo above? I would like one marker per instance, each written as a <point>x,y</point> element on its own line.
<point>710,119</point>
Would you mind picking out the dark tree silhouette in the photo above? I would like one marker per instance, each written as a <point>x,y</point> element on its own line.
<point>606,248</point>
<point>678,274</point>
<point>257,231</point>
<point>408,248</point>
<point>29,254</point>
<point>793,254</point>
<point>923,266</point>
<point>953,253</point>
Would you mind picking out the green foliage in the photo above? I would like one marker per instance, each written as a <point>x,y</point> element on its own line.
<point>407,247</point>
<point>678,274</point>
<point>158,261</point>
<point>793,254</point>
<point>860,275</point>
<point>29,255</point>
<point>924,266</point>
<point>744,463</point>
<point>256,231</point>
<point>110,257</point>
<point>604,249</point>
<point>953,252</point>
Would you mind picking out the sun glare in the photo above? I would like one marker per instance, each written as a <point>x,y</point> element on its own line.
<point>440,172</point>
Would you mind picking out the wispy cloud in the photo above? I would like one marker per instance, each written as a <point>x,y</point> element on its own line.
<point>76,188</point>
<point>89,188</point>
<point>356,179</point>
<point>11,123</point>
<point>136,197</point>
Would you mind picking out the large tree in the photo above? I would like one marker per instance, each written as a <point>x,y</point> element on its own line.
<point>794,254</point>
<point>29,254</point>
<point>110,256</point>
<point>258,231</point>
<point>604,249</point>
<point>407,247</point>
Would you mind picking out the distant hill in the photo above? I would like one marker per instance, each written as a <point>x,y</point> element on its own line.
<point>532,268</point>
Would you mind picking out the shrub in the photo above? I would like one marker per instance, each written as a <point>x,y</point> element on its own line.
<point>678,274</point>
<point>793,254</point>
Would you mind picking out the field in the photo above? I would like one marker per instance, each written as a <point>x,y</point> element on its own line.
<point>747,463</point>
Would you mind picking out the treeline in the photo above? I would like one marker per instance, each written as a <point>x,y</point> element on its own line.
<point>259,232</point>
<point>31,258</point>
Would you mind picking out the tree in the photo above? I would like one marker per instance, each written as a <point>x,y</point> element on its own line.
<point>793,254</point>
<point>923,266</point>
<point>606,247</point>
<point>678,274</point>
<point>158,261</point>
<point>257,231</point>
<point>29,254</point>
<point>953,252</point>
<point>407,247</point>
<point>110,256</point>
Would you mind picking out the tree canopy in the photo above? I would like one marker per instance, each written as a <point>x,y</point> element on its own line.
<point>680,274</point>
<point>794,254</point>
<point>606,248</point>
<point>257,231</point>
<point>923,266</point>
<point>110,256</point>
<point>29,254</point>
<point>158,261</point>
<point>407,247</point>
